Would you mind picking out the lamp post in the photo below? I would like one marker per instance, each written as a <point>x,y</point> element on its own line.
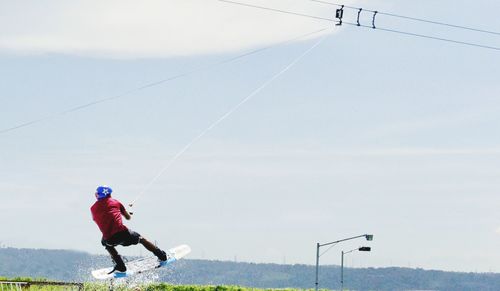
<point>361,249</point>
<point>369,237</point>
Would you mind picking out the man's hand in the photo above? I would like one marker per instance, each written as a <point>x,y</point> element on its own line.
<point>130,212</point>
<point>127,215</point>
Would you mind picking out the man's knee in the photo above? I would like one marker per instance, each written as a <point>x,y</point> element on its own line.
<point>109,248</point>
<point>134,238</point>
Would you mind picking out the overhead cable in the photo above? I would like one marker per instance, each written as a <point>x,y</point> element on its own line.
<point>276,10</point>
<point>429,37</point>
<point>412,18</point>
<point>360,25</point>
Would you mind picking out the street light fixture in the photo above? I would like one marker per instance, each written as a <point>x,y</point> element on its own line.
<point>368,237</point>
<point>361,249</point>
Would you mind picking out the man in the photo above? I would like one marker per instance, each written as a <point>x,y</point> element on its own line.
<point>107,214</point>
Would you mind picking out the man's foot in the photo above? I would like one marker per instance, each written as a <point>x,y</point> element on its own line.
<point>119,268</point>
<point>162,255</point>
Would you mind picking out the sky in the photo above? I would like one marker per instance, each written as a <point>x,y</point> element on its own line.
<point>342,132</point>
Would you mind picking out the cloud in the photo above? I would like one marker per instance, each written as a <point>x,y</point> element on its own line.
<point>153,28</point>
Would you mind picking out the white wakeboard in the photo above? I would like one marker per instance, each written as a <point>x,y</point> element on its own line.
<point>143,264</point>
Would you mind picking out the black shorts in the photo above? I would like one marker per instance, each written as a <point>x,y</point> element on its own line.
<point>124,238</point>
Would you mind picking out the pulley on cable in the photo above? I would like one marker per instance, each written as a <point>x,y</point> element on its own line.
<point>339,14</point>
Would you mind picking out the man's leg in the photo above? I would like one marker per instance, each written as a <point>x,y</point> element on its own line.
<point>119,264</point>
<point>134,238</point>
<point>154,249</point>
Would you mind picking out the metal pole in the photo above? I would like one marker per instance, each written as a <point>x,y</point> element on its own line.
<point>342,272</point>
<point>317,264</point>
<point>318,245</point>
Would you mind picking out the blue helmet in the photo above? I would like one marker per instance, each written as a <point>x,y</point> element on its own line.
<point>103,192</point>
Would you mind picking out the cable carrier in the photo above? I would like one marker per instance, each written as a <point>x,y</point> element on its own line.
<point>339,14</point>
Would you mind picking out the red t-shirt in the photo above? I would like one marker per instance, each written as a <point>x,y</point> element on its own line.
<point>107,214</point>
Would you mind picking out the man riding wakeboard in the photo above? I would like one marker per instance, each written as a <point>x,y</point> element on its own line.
<point>107,214</point>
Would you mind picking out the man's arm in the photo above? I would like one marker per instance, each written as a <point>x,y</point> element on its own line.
<point>125,213</point>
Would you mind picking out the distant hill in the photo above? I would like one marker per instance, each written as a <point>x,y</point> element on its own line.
<point>75,266</point>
